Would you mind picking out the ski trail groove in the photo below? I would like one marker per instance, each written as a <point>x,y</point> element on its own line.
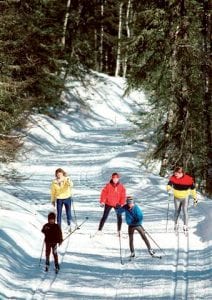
<point>48,279</point>
<point>181,280</point>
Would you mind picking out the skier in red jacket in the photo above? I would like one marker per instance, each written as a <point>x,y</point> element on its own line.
<point>113,195</point>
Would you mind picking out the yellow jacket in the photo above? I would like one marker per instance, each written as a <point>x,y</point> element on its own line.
<point>61,190</point>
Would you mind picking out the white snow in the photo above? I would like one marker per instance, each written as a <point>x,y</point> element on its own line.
<point>90,144</point>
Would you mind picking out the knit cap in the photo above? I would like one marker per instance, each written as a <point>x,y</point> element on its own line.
<point>130,200</point>
<point>115,175</point>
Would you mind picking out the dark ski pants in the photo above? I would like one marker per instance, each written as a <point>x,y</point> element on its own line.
<point>67,203</point>
<point>141,231</point>
<point>51,247</point>
<point>178,204</point>
<point>106,212</point>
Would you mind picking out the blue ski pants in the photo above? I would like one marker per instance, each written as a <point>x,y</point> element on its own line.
<point>67,203</point>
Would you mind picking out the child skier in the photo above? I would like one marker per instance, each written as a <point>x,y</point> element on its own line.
<point>134,217</point>
<point>53,235</point>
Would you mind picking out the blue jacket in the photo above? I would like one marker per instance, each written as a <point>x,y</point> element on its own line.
<point>133,216</point>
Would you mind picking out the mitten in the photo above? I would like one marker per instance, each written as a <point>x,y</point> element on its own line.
<point>195,202</point>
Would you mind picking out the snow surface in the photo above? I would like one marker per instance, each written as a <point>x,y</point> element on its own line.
<point>90,144</point>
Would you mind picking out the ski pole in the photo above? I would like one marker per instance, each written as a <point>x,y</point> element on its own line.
<point>75,229</point>
<point>41,253</point>
<point>153,241</point>
<point>75,217</point>
<point>167,218</point>
<point>120,249</point>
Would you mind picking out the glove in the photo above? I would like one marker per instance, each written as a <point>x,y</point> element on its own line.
<point>195,202</point>
<point>118,206</point>
<point>102,204</point>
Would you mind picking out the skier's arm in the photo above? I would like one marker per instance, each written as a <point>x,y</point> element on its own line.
<point>44,229</point>
<point>120,210</point>
<point>103,196</point>
<point>59,235</point>
<point>194,194</point>
<point>138,216</point>
<point>123,196</point>
<point>53,196</point>
<point>169,187</point>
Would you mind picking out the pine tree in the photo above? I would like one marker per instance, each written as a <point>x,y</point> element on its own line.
<point>166,60</point>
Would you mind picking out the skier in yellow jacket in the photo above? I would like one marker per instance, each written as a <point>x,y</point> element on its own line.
<point>182,186</point>
<point>61,193</point>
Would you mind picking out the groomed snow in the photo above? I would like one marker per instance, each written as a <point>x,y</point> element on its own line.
<point>90,144</point>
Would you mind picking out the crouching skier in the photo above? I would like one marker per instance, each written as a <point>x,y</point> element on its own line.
<point>53,235</point>
<point>134,217</point>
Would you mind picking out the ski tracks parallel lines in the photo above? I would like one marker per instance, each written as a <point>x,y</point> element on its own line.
<point>181,280</point>
<point>48,279</point>
<point>126,280</point>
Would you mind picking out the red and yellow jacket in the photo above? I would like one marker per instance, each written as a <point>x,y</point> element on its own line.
<point>113,194</point>
<point>182,187</point>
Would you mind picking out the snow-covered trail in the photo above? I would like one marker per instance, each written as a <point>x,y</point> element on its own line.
<point>90,150</point>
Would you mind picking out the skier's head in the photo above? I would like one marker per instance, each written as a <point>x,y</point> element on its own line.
<point>178,172</point>
<point>51,217</point>
<point>130,201</point>
<point>60,173</point>
<point>115,177</point>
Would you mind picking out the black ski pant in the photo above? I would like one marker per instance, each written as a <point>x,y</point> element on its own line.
<point>51,247</point>
<point>141,231</point>
<point>106,212</point>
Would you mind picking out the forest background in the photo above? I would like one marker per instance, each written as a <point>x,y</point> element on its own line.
<point>161,47</point>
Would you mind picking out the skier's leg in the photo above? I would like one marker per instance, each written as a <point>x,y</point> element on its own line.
<point>48,251</point>
<point>177,206</point>
<point>143,236</point>
<point>59,211</point>
<point>54,252</point>
<point>119,220</point>
<point>185,211</point>
<point>105,215</point>
<point>131,244</point>
<point>67,203</point>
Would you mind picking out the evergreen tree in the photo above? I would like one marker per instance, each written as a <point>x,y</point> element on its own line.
<point>166,57</point>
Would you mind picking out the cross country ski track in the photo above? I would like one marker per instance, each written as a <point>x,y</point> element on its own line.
<point>91,156</point>
<point>181,280</point>
<point>45,284</point>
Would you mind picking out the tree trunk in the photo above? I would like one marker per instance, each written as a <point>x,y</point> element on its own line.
<point>118,57</point>
<point>63,41</point>
<point>128,36</point>
<point>101,38</point>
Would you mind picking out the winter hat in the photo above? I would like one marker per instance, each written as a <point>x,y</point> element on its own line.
<point>51,216</point>
<point>130,200</point>
<point>115,175</point>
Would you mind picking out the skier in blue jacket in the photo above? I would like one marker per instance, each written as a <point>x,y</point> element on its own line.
<point>134,217</point>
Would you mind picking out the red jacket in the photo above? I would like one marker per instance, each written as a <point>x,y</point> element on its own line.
<point>113,194</point>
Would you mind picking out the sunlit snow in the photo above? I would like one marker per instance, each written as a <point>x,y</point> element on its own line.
<point>90,143</point>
